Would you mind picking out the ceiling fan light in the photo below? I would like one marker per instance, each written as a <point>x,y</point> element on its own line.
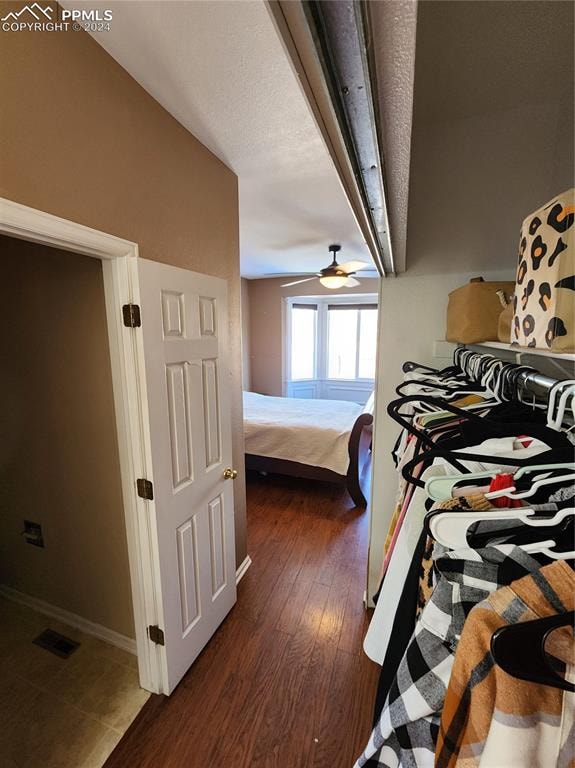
<point>333,281</point>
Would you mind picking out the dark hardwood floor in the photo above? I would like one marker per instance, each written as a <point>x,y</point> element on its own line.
<point>284,681</point>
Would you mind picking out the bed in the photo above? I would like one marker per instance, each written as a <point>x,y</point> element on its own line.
<point>325,440</point>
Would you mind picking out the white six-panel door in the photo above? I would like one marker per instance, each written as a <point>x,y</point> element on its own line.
<point>184,325</point>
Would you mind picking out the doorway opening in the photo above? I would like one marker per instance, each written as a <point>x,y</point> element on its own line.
<point>68,648</point>
<point>118,260</point>
<point>166,330</point>
<point>310,367</point>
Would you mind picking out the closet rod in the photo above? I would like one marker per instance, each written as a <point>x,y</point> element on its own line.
<point>529,383</point>
<point>535,384</point>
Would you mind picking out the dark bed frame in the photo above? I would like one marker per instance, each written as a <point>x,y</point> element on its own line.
<point>358,448</point>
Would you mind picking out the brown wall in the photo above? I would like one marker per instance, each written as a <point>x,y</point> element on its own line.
<point>79,138</point>
<point>59,462</point>
<point>492,128</point>
<point>266,325</point>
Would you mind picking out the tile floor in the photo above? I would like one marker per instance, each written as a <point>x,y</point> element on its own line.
<point>61,713</point>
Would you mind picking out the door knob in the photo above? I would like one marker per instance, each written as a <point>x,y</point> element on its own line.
<point>230,474</point>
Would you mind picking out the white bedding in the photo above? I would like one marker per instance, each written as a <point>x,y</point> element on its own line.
<point>313,432</point>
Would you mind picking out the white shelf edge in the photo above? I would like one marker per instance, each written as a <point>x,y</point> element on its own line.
<point>524,350</point>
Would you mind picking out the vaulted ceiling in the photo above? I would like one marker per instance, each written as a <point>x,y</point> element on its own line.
<point>220,69</point>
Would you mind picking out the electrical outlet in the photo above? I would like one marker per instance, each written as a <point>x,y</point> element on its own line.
<point>32,533</point>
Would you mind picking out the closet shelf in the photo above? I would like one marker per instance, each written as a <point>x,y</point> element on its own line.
<point>524,350</point>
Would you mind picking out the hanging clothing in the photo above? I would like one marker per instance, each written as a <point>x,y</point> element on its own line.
<point>492,719</point>
<point>407,729</point>
<point>426,585</point>
<point>499,483</point>
<point>564,494</point>
<point>402,629</point>
<point>428,593</point>
<point>408,534</point>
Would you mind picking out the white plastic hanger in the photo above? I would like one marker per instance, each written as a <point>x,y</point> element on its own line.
<point>451,528</point>
<point>564,389</point>
<point>544,548</point>
<point>441,488</point>
<point>568,393</point>
<point>511,492</point>
<point>543,468</point>
<point>551,402</point>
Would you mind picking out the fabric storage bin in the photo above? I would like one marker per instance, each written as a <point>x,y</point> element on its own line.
<point>473,311</point>
<point>544,304</point>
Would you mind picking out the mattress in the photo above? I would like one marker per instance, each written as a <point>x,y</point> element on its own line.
<point>312,432</point>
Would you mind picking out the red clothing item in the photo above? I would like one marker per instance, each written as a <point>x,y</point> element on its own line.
<point>499,483</point>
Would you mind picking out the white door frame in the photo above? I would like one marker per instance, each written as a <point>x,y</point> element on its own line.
<point>119,263</point>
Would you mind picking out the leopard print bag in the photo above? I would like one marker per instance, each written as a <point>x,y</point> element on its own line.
<point>544,302</point>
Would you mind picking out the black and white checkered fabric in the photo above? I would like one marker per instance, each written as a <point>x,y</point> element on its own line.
<point>406,732</point>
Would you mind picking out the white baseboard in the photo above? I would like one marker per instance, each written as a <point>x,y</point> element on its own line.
<point>243,567</point>
<point>89,627</point>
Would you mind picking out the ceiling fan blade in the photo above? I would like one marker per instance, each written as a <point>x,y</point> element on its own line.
<point>353,266</point>
<point>297,282</point>
<point>351,282</point>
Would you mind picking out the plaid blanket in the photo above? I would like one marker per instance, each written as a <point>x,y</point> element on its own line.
<point>493,719</point>
<point>407,730</point>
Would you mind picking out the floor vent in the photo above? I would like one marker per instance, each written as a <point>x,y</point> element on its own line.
<point>56,643</point>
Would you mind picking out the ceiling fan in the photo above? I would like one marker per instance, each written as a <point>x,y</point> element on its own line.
<point>336,275</point>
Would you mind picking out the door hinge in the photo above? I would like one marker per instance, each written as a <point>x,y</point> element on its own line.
<point>131,314</point>
<point>145,488</point>
<point>156,634</point>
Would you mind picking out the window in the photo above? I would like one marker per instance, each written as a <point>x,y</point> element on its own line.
<point>352,338</point>
<point>342,342</point>
<point>367,335</point>
<point>331,340</point>
<point>303,336</point>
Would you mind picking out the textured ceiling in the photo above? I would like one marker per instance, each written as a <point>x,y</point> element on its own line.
<point>220,69</point>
